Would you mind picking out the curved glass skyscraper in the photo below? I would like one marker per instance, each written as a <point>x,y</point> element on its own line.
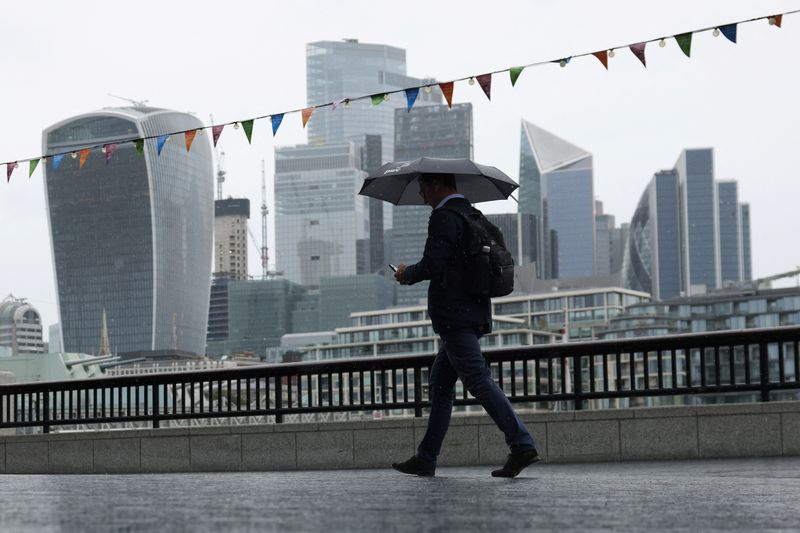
<point>132,236</point>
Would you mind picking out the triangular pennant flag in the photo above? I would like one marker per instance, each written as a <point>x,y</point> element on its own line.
<point>216,131</point>
<point>684,40</point>
<point>9,169</point>
<point>602,56</point>
<point>638,51</point>
<point>276,123</point>
<point>160,142</point>
<point>334,105</point>
<point>306,114</point>
<point>84,157</point>
<point>32,166</point>
<point>139,147</point>
<point>411,96</point>
<point>729,31</point>
<point>110,151</point>
<point>485,81</point>
<point>188,137</point>
<point>247,126</point>
<point>778,19</point>
<point>376,99</point>
<point>447,91</point>
<point>57,159</point>
<point>514,72</point>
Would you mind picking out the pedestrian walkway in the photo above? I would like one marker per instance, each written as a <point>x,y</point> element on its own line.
<point>721,495</point>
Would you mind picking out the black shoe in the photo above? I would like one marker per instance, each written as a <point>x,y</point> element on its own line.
<point>516,462</point>
<point>415,467</point>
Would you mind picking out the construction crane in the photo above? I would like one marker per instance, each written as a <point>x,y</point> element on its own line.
<point>136,103</point>
<point>220,157</point>
<point>266,273</point>
<point>756,283</point>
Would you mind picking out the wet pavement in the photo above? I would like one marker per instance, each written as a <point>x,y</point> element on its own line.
<point>712,495</point>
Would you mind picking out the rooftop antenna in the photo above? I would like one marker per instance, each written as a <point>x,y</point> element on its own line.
<point>220,157</point>
<point>135,103</point>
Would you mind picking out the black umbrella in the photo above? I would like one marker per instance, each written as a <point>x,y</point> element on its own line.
<point>396,182</point>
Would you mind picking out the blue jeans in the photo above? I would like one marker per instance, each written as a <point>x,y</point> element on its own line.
<point>460,357</point>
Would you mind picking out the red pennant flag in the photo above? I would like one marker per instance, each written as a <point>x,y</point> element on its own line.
<point>638,51</point>
<point>777,20</point>
<point>216,131</point>
<point>602,56</point>
<point>447,91</point>
<point>306,113</point>
<point>485,81</point>
<point>9,169</point>
<point>84,156</point>
<point>189,138</point>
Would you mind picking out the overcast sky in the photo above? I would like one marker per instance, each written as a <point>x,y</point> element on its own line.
<point>238,60</point>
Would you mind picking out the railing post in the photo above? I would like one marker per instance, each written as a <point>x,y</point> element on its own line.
<point>278,398</point>
<point>418,391</point>
<point>763,358</point>
<point>154,388</point>
<point>577,386</point>
<point>46,414</point>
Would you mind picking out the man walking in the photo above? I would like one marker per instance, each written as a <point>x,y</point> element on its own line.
<point>460,319</point>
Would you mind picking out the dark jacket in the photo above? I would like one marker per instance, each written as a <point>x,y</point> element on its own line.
<point>449,305</point>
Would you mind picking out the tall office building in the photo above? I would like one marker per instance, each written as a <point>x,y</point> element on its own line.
<point>427,131</point>
<point>339,69</point>
<point>744,219</point>
<point>603,228</point>
<point>652,260</point>
<point>619,238</point>
<point>699,220</point>
<point>132,237</point>
<point>519,231</point>
<point>230,237</point>
<point>730,240</point>
<point>557,184</point>
<point>319,217</point>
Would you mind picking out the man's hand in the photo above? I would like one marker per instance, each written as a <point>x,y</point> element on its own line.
<point>398,275</point>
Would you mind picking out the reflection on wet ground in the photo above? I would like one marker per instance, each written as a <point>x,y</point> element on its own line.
<point>746,494</point>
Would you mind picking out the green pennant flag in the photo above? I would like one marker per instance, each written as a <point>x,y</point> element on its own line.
<point>32,167</point>
<point>139,147</point>
<point>685,42</point>
<point>515,72</point>
<point>376,99</point>
<point>247,126</point>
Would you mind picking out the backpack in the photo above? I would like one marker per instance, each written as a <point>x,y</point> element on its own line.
<point>488,265</point>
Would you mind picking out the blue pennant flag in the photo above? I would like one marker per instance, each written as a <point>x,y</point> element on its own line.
<point>276,123</point>
<point>411,96</point>
<point>57,161</point>
<point>160,142</point>
<point>729,31</point>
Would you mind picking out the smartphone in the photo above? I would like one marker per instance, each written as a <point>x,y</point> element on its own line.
<point>394,268</point>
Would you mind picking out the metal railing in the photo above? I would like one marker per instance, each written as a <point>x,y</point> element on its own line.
<point>756,361</point>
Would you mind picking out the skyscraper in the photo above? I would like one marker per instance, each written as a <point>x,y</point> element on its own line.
<point>426,131</point>
<point>319,218</point>
<point>230,237</point>
<point>557,184</point>
<point>744,218</point>
<point>132,237</point>
<point>699,220</point>
<point>730,241</point>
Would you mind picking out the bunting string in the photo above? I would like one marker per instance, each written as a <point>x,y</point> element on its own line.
<point>684,41</point>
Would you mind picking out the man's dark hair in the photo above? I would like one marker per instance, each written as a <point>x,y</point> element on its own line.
<point>447,180</point>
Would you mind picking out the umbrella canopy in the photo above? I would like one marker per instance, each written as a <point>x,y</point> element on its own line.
<point>396,182</point>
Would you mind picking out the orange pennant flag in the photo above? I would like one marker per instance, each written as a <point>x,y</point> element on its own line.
<point>447,91</point>
<point>84,155</point>
<point>602,56</point>
<point>306,113</point>
<point>189,138</point>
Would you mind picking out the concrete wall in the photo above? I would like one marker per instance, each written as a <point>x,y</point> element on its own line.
<point>744,430</point>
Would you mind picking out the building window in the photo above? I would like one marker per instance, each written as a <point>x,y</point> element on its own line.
<point>315,258</point>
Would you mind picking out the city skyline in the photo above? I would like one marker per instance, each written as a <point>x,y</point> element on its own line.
<point>674,104</point>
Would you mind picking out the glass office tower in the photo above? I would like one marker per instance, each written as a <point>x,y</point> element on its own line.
<point>699,220</point>
<point>744,218</point>
<point>132,236</point>
<point>557,181</point>
<point>730,241</point>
